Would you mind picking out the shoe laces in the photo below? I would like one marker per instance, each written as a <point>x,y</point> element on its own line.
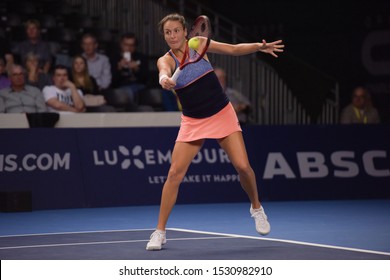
<point>157,235</point>
<point>260,215</point>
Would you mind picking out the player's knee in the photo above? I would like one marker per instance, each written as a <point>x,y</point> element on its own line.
<point>244,170</point>
<point>175,175</point>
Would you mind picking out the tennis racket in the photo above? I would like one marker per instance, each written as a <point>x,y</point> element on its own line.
<point>200,28</point>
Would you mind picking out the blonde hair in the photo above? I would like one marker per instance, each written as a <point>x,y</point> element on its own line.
<point>84,74</point>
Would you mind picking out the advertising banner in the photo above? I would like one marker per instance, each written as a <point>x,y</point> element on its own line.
<point>99,167</point>
<point>130,166</point>
<point>45,162</point>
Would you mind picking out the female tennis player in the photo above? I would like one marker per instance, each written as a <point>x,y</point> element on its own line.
<point>206,113</point>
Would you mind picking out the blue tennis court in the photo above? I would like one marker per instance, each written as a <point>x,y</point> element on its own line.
<point>318,230</point>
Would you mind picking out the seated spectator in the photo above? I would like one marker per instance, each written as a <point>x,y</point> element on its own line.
<point>130,67</point>
<point>6,54</point>
<point>98,64</point>
<point>34,44</point>
<point>361,110</point>
<point>19,97</point>
<point>239,101</point>
<point>81,78</point>
<point>4,80</point>
<point>34,76</point>
<point>63,96</point>
<point>94,101</point>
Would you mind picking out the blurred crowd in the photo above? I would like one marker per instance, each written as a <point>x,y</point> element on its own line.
<point>57,60</point>
<point>63,63</point>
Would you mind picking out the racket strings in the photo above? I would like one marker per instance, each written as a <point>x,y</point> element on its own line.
<point>201,27</point>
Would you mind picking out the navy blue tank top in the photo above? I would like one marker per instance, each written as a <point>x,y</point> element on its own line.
<point>199,90</point>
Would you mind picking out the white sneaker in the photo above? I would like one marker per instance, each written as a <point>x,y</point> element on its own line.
<point>262,225</point>
<point>157,239</point>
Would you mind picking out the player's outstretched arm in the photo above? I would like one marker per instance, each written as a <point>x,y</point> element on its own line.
<point>246,48</point>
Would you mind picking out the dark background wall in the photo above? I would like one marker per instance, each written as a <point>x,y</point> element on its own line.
<point>329,35</point>
<point>333,36</point>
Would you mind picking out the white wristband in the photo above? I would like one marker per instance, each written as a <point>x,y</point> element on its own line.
<point>163,77</point>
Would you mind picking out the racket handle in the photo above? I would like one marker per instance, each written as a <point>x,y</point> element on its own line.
<point>176,74</point>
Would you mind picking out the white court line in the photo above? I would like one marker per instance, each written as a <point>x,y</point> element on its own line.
<point>187,230</point>
<point>283,240</point>
<point>74,232</point>
<point>107,242</point>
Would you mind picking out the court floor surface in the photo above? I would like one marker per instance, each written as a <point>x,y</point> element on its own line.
<point>318,230</point>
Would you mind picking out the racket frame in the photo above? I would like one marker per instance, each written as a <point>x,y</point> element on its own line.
<point>183,62</point>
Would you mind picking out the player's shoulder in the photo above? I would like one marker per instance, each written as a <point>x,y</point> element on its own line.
<point>166,58</point>
<point>166,55</point>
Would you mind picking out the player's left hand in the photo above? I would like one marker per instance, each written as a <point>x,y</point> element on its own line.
<point>272,47</point>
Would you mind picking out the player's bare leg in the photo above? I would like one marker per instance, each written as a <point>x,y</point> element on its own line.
<point>235,148</point>
<point>182,155</point>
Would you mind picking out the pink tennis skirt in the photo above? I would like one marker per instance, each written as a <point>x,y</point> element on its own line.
<point>218,126</point>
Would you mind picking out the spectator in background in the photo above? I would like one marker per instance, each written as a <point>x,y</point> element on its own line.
<point>4,80</point>
<point>6,54</point>
<point>361,110</point>
<point>63,96</point>
<point>34,44</point>
<point>19,97</point>
<point>81,78</point>
<point>239,101</point>
<point>130,67</point>
<point>35,76</point>
<point>98,64</point>
<point>93,99</point>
